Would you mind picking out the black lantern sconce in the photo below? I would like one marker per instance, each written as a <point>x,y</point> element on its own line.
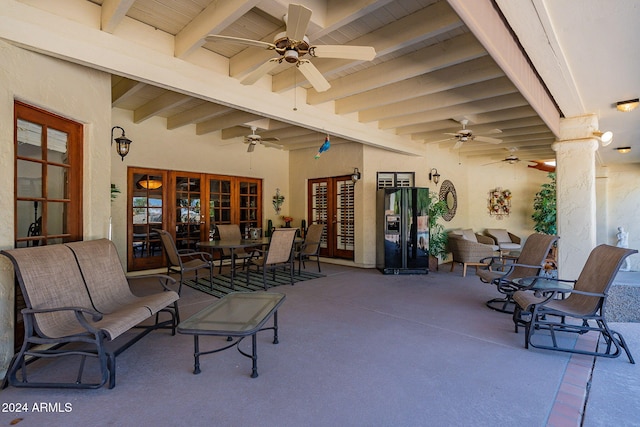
<point>355,176</point>
<point>434,176</point>
<point>122,142</point>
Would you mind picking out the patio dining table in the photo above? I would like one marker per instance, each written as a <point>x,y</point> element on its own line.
<point>233,245</point>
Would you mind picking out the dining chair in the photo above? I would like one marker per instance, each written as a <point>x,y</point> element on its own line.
<point>278,254</point>
<point>185,260</point>
<point>311,245</point>
<point>232,232</point>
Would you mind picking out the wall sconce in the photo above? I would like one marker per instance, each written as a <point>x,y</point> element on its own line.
<point>434,176</point>
<point>604,137</point>
<point>626,106</point>
<point>123,143</point>
<point>623,150</point>
<point>355,176</point>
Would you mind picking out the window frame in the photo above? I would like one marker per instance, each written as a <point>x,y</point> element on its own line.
<point>72,229</point>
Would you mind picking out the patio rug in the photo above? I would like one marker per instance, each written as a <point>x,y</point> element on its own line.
<point>222,282</point>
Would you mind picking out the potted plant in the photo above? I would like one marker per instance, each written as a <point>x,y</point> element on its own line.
<point>544,207</point>
<point>437,235</point>
<point>544,215</point>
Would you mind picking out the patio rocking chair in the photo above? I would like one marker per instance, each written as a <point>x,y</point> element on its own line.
<point>504,275</point>
<point>184,261</point>
<point>279,254</point>
<point>542,310</point>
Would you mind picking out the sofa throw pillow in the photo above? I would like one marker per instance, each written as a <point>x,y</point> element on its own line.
<point>468,234</point>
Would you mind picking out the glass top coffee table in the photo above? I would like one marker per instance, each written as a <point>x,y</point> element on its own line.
<point>236,315</point>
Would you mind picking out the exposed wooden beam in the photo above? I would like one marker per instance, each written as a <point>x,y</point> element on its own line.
<point>156,106</point>
<point>196,115</point>
<point>453,51</point>
<point>125,89</point>
<point>459,95</point>
<point>112,13</point>
<point>474,107</point>
<point>474,71</point>
<point>213,19</point>
<point>224,121</point>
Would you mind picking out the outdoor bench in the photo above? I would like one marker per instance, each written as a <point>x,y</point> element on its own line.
<point>78,301</point>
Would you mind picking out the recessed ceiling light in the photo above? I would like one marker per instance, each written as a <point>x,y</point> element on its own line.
<point>626,106</point>
<point>623,150</point>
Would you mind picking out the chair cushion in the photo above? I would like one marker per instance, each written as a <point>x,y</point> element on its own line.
<point>509,246</point>
<point>466,234</point>
<point>500,234</point>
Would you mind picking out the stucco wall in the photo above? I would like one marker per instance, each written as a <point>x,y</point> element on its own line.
<point>71,91</point>
<point>621,207</point>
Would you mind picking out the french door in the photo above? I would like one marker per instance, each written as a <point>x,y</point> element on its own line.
<point>331,203</point>
<point>189,206</point>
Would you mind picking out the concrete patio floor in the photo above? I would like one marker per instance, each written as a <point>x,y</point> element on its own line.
<point>357,348</point>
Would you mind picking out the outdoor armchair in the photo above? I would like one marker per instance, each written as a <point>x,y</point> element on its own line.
<point>503,275</point>
<point>505,240</point>
<point>582,311</point>
<point>468,249</point>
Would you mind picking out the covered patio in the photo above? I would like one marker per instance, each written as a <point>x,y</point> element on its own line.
<point>359,348</point>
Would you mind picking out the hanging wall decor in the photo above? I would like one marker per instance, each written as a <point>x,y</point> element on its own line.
<point>278,200</point>
<point>499,203</point>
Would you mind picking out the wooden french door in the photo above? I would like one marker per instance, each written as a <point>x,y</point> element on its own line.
<point>331,203</point>
<point>187,204</point>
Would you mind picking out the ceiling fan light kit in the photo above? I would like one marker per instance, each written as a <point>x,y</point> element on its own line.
<point>465,135</point>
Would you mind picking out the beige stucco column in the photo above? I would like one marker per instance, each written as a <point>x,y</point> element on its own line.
<point>576,193</point>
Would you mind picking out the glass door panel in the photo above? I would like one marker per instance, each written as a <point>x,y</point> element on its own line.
<point>250,214</point>
<point>219,203</point>
<point>188,215</point>
<point>146,215</point>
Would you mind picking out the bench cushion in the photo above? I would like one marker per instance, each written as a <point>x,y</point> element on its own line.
<point>107,282</point>
<point>50,278</point>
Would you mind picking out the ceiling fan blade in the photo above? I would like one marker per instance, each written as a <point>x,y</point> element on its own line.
<point>270,139</point>
<point>255,75</point>
<point>487,139</point>
<point>314,76</point>
<point>272,145</point>
<point>458,144</point>
<point>236,40</point>
<point>452,134</point>
<point>298,19</point>
<point>440,140</point>
<point>360,53</point>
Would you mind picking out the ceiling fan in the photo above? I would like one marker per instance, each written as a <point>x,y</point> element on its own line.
<point>253,139</point>
<point>464,135</point>
<point>511,158</point>
<point>292,45</point>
